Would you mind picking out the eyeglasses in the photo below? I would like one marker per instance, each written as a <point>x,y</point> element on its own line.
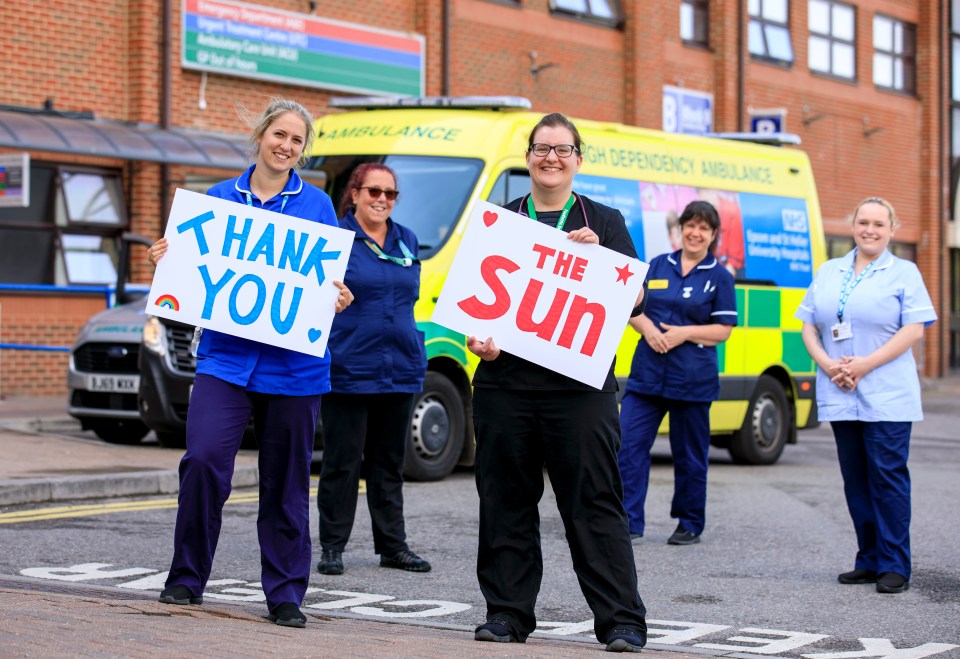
<point>376,192</point>
<point>562,150</point>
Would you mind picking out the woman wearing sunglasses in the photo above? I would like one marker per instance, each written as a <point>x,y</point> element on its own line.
<point>377,369</point>
<point>528,417</point>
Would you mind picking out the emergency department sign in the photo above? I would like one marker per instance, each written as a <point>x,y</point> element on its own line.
<point>557,303</point>
<point>250,272</point>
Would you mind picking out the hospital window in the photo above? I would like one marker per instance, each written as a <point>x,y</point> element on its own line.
<point>894,54</point>
<point>768,36</point>
<point>69,233</point>
<point>831,45</point>
<point>694,22</point>
<point>607,12</point>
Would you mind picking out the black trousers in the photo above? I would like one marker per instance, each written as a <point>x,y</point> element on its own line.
<point>372,429</point>
<point>576,436</point>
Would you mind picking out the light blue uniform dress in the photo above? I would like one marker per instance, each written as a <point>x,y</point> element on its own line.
<point>872,423</point>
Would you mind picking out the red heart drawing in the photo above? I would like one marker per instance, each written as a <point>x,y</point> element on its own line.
<point>489,217</point>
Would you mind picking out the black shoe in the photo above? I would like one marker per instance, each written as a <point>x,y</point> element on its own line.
<point>625,640</point>
<point>891,582</point>
<point>495,630</point>
<point>331,562</point>
<point>179,595</point>
<point>288,615</point>
<point>683,537</point>
<point>405,560</point>
<point>636,537</point>
<point>857,576</point>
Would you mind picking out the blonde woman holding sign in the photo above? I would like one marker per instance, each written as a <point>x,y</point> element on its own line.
<point>238,378</point>
<point>528,417</point>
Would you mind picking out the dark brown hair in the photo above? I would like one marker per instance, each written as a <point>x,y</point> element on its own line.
<point>552,121</point>
<point>702,210</point>
<point>356,180</point>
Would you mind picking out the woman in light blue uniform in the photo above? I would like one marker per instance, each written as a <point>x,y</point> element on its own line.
<point>238,378</point>
<point>861,316</point>
<point>692,309</point>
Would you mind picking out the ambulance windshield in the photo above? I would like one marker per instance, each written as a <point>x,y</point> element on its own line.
<point>433,191</point>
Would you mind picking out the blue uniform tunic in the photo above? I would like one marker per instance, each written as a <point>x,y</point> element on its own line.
<point>257,366</point>
<point>375,345</point>
<point>705,296</point>
<point>889,296</point>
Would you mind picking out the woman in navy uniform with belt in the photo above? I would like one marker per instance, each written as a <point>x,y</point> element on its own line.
<point>528,417</point>
<point>692,309</point>
<point>379,362</point>
<point>280,388</point>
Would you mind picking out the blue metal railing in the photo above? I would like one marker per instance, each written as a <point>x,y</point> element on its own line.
<point>109,293</point>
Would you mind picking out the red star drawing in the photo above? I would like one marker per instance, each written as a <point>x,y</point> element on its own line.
<point>623,274</point>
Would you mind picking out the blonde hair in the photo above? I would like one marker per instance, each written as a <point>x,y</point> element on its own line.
<point>277,108</point>
<point>894,220</point>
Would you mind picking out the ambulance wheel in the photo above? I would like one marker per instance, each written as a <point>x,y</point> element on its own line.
<point>766,427</point>
<point>437,430</point>
<point>119,431</point>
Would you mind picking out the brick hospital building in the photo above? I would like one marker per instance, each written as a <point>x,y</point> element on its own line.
<point>111,101</point>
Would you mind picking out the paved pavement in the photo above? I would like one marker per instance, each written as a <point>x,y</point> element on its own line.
<point>47,459</point>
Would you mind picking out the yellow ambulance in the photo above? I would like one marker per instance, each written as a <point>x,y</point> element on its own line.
<point>450,152</point>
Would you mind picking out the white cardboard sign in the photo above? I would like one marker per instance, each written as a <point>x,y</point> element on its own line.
<point>250,272</point>
<point>557,303</point>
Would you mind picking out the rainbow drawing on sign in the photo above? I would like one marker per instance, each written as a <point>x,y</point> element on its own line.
<point>168,302</point>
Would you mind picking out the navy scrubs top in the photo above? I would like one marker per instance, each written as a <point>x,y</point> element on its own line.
<point>375,344</point>
<point>705,296</point>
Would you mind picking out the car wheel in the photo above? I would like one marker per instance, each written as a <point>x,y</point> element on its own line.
<point>766,427</point>
<point>437,430</point>
<point>119,431</point>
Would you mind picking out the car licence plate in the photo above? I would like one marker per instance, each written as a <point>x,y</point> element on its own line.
<point>123,384</point>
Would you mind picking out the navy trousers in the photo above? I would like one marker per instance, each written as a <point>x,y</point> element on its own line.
<point>285,426</point>
<point>575,435</point>
<point>640,417</point>
<point>876,482</point>
<point>371,428</point>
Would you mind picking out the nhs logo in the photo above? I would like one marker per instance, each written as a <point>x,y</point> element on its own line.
<point>794,220</point>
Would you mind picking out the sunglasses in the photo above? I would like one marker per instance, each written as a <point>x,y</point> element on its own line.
<point>375,192</point>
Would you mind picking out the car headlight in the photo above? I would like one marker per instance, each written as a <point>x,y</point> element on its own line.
<point>154,338</point>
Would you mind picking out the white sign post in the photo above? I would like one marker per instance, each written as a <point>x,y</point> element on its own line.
<point>542,297</point>
<point>249,272</point>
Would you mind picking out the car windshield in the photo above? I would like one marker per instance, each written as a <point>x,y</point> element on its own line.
<point>433,190</point>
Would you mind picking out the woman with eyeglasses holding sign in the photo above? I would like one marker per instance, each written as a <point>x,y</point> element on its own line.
<point>527,417</point>
<point>238,378</point>
<point>379,362</point>
<point>861,316</point>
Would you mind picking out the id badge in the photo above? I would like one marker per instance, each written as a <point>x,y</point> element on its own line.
<point>841,331</point>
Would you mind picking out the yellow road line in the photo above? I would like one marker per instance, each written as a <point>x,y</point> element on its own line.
<point>64,512</point>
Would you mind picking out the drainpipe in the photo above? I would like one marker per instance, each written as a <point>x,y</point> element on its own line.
<point>445,45</point>
<point>165,93</point>
<point>740,66</point>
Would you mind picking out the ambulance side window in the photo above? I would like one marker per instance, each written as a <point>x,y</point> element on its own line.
<point>511,183</point>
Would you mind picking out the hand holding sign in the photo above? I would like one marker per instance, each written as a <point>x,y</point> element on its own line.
<point>252,273</point>
<point>556,301</point>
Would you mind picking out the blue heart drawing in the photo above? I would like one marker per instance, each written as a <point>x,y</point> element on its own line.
<point>314,334</point>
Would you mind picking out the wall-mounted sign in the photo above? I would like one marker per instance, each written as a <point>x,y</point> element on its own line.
<point>15,180</point>
<point>768,121</point>
<point>687,111</point>
<point>235,38</point>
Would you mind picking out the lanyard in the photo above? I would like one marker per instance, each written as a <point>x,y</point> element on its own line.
<point>283,200</point>
<point>406,261</point>
<point>847,288</point>
<point>532,212</point>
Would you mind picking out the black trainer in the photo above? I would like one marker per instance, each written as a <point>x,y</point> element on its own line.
<point>625,640</point>
<point>683,537</point>
<point>405,560</point>
<point>891,582</point>
<point>288,615</point>
<point>496,631</point>
<point>179,595</point>
<point>331,562</point>
<point>857,576</point>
